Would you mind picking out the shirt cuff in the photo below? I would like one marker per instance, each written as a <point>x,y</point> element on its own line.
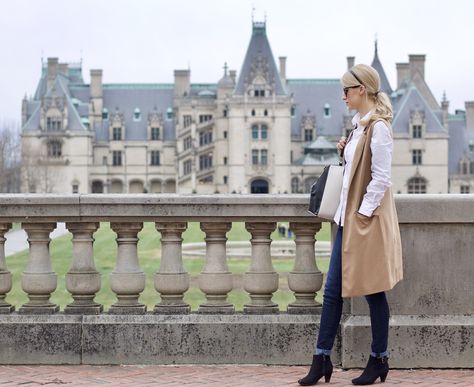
<point>365,211</point>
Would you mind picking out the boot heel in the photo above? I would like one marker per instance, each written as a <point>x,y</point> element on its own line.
<point>327,378</point>
<point>383,377</point>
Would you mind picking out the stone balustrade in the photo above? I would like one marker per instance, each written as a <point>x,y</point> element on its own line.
<point>38,215</point>
<point>433,300</point>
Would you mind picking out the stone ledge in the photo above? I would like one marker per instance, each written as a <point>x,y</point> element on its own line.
<point>40,339</point>
<point>437,341</point>
<point>159,339</point>
<point>441,341</point>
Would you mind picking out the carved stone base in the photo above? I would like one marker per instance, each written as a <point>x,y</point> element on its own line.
<point>36,309</point>
<point>129,309</point>
<point>83,309</point>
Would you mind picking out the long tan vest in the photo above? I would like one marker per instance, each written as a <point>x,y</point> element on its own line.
<point>371,246</point>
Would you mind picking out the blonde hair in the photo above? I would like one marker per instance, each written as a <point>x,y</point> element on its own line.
<point>369,77</point>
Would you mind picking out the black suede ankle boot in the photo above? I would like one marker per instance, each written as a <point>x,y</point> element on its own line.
<point>321,365</point>
<point>376,367</point>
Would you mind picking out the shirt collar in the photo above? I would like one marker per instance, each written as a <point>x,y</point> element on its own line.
<point>356,119</point>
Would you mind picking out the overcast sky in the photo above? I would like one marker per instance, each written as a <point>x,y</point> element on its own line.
<point>144,41</point>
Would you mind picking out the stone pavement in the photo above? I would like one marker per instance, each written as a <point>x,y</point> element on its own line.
<point>212,375</point>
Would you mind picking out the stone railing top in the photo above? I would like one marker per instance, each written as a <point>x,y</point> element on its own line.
<point>411,208</point>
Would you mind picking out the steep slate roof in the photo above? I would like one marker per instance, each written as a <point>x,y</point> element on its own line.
<point>59,88</point>
<point>458,143</point>
<point>310,96</point>
<point>377,65</point>
<point>413,100</point>
<point>259,46</point>
<point>148,98</point>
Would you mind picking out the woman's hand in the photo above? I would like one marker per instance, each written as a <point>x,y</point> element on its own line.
<point>341,144</point>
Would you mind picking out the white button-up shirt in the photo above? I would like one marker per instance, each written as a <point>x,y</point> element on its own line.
<point>382,148</point>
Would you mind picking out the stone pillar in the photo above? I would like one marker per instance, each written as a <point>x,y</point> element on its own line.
<point>39,280</point>
<point>171,281</point>
<point>82,279</point>
<point>127,280</point>
<point>305,279</point>
<point>215,279</point>
<point>5,275</point>
<point>261,281</point>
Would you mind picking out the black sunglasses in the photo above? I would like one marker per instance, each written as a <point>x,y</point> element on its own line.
<point>346,89</point>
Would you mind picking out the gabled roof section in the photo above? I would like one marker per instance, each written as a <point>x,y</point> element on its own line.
<point>259,60</point>
<point>377,65</point>
<point>414,100</point>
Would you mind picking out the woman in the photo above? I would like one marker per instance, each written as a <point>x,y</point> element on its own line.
<point>366,258</point>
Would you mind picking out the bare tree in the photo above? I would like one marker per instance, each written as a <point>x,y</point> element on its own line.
<point>37,169</point>
<point>10,157</point>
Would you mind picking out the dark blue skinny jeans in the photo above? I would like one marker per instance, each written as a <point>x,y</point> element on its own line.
<point>332,309</point>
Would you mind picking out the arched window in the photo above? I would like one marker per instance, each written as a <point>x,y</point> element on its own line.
<point>417,185</point>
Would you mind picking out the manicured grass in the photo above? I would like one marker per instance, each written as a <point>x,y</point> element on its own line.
<point>105,250</point>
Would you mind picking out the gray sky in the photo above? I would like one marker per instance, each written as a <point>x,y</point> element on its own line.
<point>144,41</point>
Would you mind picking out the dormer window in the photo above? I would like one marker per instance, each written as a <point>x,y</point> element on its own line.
<point>293,111</point>
<point>169,113</point>
<point>259,92</point>
<point>53,123</point>
<point>105,114</point>
<point>416,129</point>
<point>137,116</point>
<point>327,110</point>
<point>117,134</point>
<point>155,133</point>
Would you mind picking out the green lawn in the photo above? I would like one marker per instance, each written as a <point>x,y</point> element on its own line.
<point>105,249</point>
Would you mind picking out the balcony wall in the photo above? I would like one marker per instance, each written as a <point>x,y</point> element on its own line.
<point>431,322</point>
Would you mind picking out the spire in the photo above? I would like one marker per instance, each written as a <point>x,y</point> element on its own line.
<point>377,65</point>
<point>259,61</point>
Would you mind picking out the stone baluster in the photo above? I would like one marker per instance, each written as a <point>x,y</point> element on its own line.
<point>5,275</point>
<point>215,280</point>
<point>82,279</point>
<point>171,281</point>
<point>261,281</point>
<point>127,280</point>
<point>39,280</point>
<point>305,279</point>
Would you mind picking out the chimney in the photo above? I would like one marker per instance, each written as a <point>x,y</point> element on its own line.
<point>63,68</point>
<point>52,71</point>
<point>445,109</point>
<point>283,68</point>
<point>403,73</point>
<point>350,62</point>
<point>96,99</point>
<point>233,75</point>
<point>182,80</point>
<point>469,114</point>
<point>417,64</point>
<point>96,83</point>
<point>24,110</point>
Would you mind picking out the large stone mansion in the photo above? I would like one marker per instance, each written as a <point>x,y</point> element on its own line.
<point>251,132</point>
